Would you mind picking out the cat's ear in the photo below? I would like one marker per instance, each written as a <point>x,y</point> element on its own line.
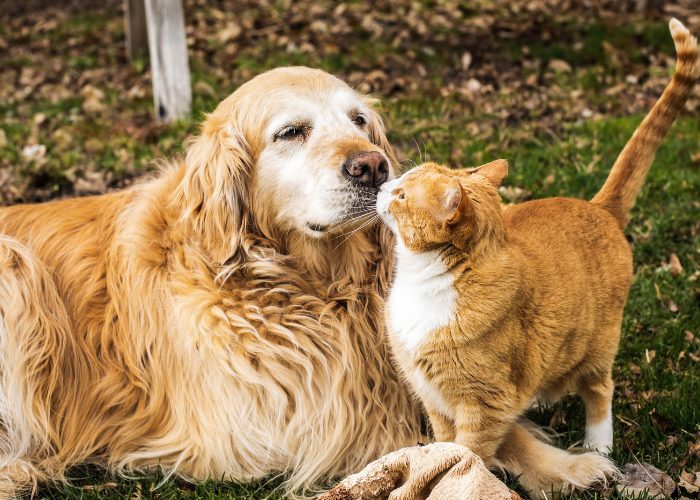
<point>453,202</point>
<point>494,172</point>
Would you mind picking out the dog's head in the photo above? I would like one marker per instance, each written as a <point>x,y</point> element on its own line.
<point>293,150</point>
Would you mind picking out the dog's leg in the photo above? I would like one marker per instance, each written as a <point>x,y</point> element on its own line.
<point>34,332</point>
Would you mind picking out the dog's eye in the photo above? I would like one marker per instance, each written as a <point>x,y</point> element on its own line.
<point>359,120</point>
<point>292,132</point>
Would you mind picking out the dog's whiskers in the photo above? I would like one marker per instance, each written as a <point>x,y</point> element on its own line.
<point>371,220</point>
<point>353,220</point>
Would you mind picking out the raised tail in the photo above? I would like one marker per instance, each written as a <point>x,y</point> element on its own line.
<point>622,186</point>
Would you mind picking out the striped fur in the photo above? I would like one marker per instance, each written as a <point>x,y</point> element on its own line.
<point>620,190</point>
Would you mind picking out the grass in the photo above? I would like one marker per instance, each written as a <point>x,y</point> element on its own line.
<point>657,399</point>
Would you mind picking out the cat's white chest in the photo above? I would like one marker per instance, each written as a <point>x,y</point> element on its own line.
<point>422,298</point>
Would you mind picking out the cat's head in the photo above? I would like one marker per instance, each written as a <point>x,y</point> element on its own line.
<point>432,205</point>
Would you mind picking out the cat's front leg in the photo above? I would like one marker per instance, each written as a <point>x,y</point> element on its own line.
<point>443,427</point>
<point>481,430</point>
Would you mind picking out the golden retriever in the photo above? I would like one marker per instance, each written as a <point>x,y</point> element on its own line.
<point>223,319</point>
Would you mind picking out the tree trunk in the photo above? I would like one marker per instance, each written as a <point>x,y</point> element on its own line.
<point>168,50</point>
<point>135,27</point>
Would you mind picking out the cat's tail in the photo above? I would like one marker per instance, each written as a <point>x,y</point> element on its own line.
<point>627,175</point>
<point>546,471</point>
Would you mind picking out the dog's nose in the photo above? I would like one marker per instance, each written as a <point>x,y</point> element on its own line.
<point>368,169</point>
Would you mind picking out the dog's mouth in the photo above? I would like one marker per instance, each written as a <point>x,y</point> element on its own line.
<point>358,210</point>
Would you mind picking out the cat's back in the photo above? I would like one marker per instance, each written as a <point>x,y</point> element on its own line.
<point>573,233</point>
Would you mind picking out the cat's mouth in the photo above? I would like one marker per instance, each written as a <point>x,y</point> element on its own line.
<point>383,202</point>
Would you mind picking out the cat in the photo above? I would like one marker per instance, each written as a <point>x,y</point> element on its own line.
<point>494,308</point>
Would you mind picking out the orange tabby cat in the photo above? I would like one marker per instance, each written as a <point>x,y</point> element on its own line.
<point>492,309</point>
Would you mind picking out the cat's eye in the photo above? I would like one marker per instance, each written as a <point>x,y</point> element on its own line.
<point>402,195</point>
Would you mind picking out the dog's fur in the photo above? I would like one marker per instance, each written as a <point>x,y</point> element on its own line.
<point>196,322</point>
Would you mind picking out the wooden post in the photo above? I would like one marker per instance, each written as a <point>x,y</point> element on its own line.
<point>135,24</point>
<point>168,50</point>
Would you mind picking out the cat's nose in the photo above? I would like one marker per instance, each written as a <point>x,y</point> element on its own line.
<point>369,169</point>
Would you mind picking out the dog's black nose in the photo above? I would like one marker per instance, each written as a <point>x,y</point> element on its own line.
<point>368,169</point>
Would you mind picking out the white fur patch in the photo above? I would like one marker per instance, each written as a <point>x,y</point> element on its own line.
<point>303,180</point>
<point>422,297</point>
<point>599,436</point>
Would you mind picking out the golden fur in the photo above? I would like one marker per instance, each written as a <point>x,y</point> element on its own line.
<point>183,324</point>
<point>523,304</point>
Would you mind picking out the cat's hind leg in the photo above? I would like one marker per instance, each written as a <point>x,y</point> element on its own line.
<point>546,471</point>
<point>597,392</point>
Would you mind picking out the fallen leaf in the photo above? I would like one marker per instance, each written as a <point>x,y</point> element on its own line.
<point>559,418</point>
<point>33,152</point>
<point>202,87</point>
<point>515,194</point>
<point>635,479</point>
<point>466,61</point>
<point>230,32</point>
<point>694,447</point>
<point>559,66</point>
<point>473,85</point>
<point>672,306</point>
<point>92,100</point>
<point>649,355</point>
<point>100,487</point>
<point>634,368</point>
<point>660,421</point>
<point>690,482</point>
<point>674,265</point>
<point>91,182</point>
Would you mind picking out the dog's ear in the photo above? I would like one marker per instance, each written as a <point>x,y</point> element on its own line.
<point>377,134</point>
<point>215,187</point>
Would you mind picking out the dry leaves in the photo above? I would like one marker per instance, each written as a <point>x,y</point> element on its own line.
<point>689,483</point>
<point>636,479</point>
<point>674,265</point>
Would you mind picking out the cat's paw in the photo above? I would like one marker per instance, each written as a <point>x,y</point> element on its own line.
<point>570,472</point>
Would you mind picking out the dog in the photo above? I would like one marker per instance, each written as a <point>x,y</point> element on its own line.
<point>222,319</point>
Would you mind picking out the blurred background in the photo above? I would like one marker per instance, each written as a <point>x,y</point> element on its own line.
<point>555,86</point>
<point>67,87</point>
